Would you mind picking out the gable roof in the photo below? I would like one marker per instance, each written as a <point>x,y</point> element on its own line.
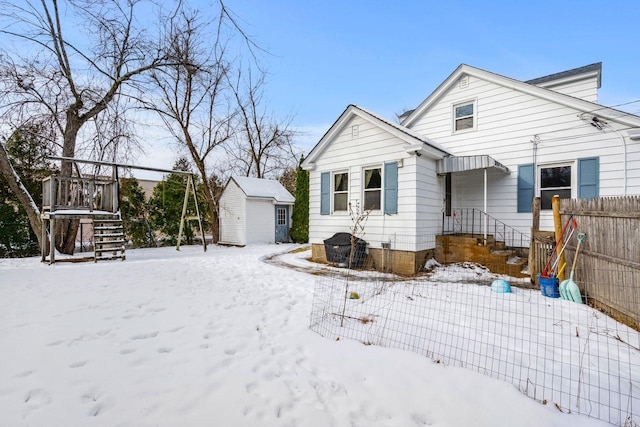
<point>263,189</point>
<point>416,141</point>
<point>591,69</point>
<point>622,117</point>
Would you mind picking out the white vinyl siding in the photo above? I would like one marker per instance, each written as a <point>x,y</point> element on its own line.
<point>586,89</point>
<point>250,219</point>
<point>371,149</point>
<point>232,215</point>
<point>507,122</point>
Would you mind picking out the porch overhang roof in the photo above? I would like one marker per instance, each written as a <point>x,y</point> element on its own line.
<point>452,164</point>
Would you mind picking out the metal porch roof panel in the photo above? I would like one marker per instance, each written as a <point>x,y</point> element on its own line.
<point>454,164</point>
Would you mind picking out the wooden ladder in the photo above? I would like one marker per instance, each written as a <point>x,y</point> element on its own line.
<point>108,239</point>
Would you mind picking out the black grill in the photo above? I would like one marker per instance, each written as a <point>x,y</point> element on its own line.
<point>338,250</point>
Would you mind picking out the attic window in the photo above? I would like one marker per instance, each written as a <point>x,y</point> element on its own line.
<point>464,82</point>
<point>464,116</point>
<point>355,131</point>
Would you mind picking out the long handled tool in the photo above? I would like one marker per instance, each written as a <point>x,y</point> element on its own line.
<point>568,288</point>
<point>554,249</point>
<point>555,263</point>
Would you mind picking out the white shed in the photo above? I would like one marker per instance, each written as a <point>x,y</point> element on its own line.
<point>254,210</point>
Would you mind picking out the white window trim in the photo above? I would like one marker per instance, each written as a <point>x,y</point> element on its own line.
<point>473,101</point>
<point>363,189</point>
<point>278,211</point>
<point>333,191</point>
<point>574,176</point>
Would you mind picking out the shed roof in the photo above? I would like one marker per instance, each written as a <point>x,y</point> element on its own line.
<point>263,188</point>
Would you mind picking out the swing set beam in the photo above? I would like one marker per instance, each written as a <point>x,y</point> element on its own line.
<point>190,188</point>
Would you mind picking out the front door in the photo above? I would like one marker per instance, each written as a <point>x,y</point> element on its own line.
<point>282,223</point>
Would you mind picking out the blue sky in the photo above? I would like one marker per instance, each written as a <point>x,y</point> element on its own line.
<point>388,56</point>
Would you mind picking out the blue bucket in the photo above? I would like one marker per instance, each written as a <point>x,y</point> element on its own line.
<point>549,286</point>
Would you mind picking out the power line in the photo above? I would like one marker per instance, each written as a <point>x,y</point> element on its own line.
<point>613,107</point>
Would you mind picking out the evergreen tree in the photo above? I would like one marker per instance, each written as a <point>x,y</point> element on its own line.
<point>28,149</point>
<point>166,205</point>
<point>135,214</point>
<point>300,217</point>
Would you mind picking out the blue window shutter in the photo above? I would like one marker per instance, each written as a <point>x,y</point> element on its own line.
<point>526,187</point>
<point>588,177</point>
<point>391,188</point>
<point>325,193</point>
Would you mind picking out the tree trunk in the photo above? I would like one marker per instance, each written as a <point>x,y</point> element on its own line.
<point>16,186</point>
<point>209,199</point>
<point>213,211</point>
<point>67,229</point>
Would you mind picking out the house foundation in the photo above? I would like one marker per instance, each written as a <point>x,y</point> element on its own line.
<point>404,263</point>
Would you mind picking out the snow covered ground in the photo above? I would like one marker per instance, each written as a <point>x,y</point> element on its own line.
<point>220,338</point>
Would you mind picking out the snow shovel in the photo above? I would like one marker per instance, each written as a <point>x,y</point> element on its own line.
<point>568,288</point>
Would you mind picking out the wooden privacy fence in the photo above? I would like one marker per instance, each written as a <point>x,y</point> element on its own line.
<point>608,266</point>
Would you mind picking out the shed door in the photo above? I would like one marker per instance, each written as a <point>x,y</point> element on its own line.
<point>282,223</point>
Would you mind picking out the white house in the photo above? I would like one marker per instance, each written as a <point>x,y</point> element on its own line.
<point>254,210</point>
<point>480,146</point>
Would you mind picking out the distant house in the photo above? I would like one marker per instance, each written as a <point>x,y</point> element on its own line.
<point>254,210</point>
<point>481,146</point>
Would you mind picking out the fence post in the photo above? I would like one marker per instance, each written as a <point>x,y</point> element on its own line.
<point>557,224</point>
<point>533,251</point>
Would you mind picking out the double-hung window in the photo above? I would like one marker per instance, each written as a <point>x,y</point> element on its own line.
<point>464,116</point>
<point>575,179</point>
<point>379,190</point>
<point>372,189</point>
<point>340,191</point>
<point>554,180</point>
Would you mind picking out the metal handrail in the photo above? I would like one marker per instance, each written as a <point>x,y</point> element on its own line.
<point>471,221</point>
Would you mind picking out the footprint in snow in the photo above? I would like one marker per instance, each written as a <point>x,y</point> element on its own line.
<point>95,410</point>
<point>37,398</point>
<point>145,336</point>
<point>165,350</point>
<point>79,364</point>
<point>127,351</point>
<point>55,343</point>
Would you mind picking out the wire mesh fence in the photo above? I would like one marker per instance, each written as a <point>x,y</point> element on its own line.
<point>556,351</point>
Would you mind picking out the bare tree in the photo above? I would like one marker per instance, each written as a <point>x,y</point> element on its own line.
<point>263,146</point>
<point>192,98</point>
<point>70,62</point>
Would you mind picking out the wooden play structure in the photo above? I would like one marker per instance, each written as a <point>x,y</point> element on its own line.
<point>98,199</point>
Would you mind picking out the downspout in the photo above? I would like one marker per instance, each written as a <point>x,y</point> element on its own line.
<point>624,159</point>
<point>535,142</point>
<point>624,165</point>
